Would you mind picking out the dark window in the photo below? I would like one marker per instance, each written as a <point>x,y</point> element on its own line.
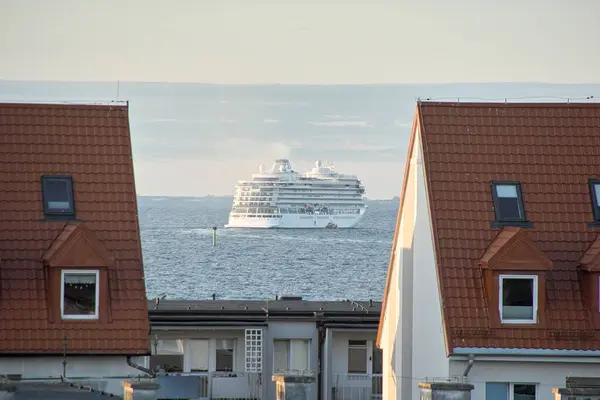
<point>57,195</point>
<point>523,392</point>
<point>225,355</point>
<point>508,201</point>
<point>518,298</point>
<point>595,194</point>
<point>357,357</point>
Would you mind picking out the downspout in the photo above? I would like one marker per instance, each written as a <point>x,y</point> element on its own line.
<point>321,330</point>
<point>469,366</point>
<point>140,368</point>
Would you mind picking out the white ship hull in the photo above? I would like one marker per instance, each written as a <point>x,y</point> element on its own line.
<point>296,221</point>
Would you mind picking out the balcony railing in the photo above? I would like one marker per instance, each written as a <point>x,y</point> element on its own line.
<point>357,387</point>
<point>212,385</point>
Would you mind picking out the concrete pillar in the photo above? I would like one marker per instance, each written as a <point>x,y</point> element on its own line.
<point>445,391</point>
<point>146,390</point>
<point>293,387</point>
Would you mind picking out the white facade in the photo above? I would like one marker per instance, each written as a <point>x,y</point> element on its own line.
<point>413,339</point>
<point>302,357</point>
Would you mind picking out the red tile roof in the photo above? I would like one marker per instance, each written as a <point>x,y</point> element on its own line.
<point>552,149</point>
<point>92,144</point>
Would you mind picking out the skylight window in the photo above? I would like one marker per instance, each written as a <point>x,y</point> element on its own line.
<point>595,196</point>
<point>57,195</point>
<point>508,202</point>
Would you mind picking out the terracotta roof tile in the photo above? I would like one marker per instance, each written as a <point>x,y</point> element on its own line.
<point>552,149</point>
<point>92,144</point>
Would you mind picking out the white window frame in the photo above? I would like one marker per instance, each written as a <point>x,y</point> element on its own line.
<point>291,355</point>
<point>534,303</point>
<point>96,274</point>
<point>511,389</point>
<point>369,351</point>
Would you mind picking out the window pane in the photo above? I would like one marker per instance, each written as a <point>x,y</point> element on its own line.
<point>57,194</point>
<point>506,191</point>
<point>198,355</point>
<point>496,391</point>
<point>357,356</point>
<point>170,363</point>
<point>79,293</point>
<point>357,360</point>
<point>517,299</point>
<point>509,208</point>
<point>224,355</point>
<point>300,355</point>
<point>524,392</point>
<point>281,355</point>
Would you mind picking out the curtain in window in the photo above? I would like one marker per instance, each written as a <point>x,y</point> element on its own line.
<point>300,354</point>
<point>80,279</point>
<point>198,355</point>
<point>167,347</point>
<point>281,358</point>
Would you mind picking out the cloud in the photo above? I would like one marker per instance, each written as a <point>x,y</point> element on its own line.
<point>338,116</point>
<point>356,146</point>
<point>227,121</point>
<point>270,121</point>
<point>361,124</point>
<point>402,124</point>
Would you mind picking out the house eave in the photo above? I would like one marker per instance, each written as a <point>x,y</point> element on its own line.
<point>515,352</point>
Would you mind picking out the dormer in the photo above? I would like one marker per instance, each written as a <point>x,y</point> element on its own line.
<point>77,267</point>
<point>514,268</point>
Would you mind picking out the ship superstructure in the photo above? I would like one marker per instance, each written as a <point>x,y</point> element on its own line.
<point>283,198</point>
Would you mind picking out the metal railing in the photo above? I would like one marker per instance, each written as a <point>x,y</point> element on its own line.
<point>357,387</point>
<point>212,385</point>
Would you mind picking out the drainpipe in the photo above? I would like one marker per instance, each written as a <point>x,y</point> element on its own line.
<point>139,367</point>
<point>469,366</point>
<point>321,330</point>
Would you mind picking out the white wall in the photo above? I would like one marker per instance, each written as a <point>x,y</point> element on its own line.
<point>546,374</point>
<point>101,372</point>
<point>429,342</point>
<point>414,342</point>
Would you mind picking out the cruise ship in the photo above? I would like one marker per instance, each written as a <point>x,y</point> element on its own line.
<point>283,198</point>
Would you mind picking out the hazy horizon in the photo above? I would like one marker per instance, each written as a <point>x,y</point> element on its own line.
<point>193,140</point>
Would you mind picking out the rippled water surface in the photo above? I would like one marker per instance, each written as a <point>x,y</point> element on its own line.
<point>181,262</point>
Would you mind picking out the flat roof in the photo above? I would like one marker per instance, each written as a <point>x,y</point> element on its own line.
<point>162,312</point>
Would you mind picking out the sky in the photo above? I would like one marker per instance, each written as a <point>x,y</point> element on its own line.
<point>197,140</point>
<point>301,42</point>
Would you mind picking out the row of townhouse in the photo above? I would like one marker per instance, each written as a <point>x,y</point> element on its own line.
<point>232,348</point>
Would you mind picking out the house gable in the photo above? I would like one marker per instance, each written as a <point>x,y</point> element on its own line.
<point>468,146</point>
<point>77,246</point>
<point>513,250</point>
<point>90,147</point>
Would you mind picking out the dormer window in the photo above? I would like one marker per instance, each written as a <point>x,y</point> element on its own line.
<point>508,204</point>
<point>57,195</point>
<point>518,299</point>
<point>595,195</point>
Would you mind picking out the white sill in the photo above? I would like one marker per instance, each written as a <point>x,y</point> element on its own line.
<point>518,321</point>
<point>80,317</point>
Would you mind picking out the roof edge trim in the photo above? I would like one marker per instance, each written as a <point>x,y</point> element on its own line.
<point>497,351</point>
